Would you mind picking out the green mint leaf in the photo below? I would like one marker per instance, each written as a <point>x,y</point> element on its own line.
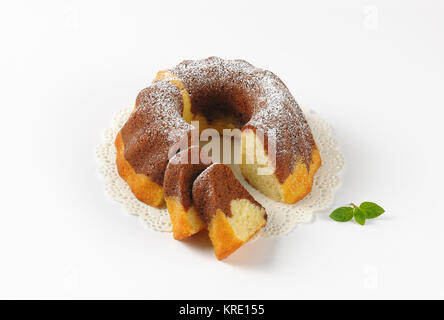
<point>371,210</point>
<point>342,214</point>
<point>359,216</point>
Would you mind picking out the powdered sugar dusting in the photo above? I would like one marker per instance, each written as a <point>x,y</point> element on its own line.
<point>154,126</point>
<point>260,96</point>
<point>275,111</point>
<point>282,218</point>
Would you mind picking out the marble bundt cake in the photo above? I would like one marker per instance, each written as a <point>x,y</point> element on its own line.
<point>220,94</point>
<point>180,174</point>
<point>231,214</point>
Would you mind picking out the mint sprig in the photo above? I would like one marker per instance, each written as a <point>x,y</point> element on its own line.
<point>366,210</point>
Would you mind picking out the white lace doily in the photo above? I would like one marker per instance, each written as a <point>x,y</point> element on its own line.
<point>282,218</point>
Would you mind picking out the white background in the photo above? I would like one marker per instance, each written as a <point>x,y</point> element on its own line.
<point>373,70</point>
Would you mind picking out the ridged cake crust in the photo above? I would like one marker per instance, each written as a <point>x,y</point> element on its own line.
<point>257,98</point>
<point>180,174</point>
<point>206,90</point>
<point>215,188</point>
<point>154,126</point>
<point>231,214</point>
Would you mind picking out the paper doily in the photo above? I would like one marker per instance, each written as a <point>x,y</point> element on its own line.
<point>282,218</point>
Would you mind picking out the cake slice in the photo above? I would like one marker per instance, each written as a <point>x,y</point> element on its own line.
<point>180,174</point>
<point>231,214</point>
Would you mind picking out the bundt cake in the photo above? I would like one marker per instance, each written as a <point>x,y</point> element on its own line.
<point>180,174</point>
<point>231,214</point>
<point>280,156</point>
<point>144,142</point>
